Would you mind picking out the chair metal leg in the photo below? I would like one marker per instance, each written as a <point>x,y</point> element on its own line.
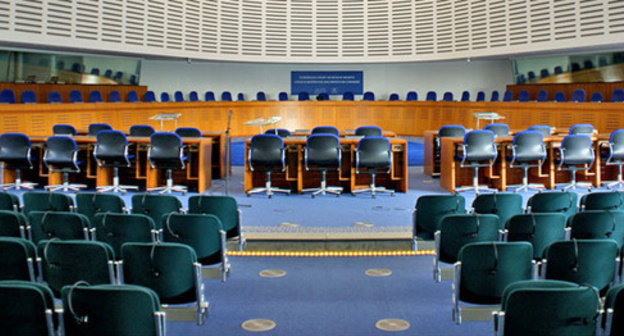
<point>573,183</point>
<point>475,184</point>
<point>170,187</point>
<point>373,188</point>
<point>116,187</point>
<point>18,184</point>
<point>525,182</point>
<point>268,188</point>
<point>324,188</point>
<point>66,186</point>
<point>619,182</point>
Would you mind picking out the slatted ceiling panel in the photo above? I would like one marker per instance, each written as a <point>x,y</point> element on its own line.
<point>87,17</point>
<point>29,16</point>
<point>353,28</point>
<point>540,14</point>
<point>615,15</point>
<point>591,17</point>
<point>444,26</point>
<point>424,28</point>
<point>135,22</point>
<point>518,18</point>
<point>192,25</point>
<point>59,14</point>
<point>112,21</point>
<point>275,29</point>
<point>327,28</point>
<point>377,21</point>
<point>478,24</point>
<point>174,28</point>
<point>252,28</point>
<point>301,28</point>
<point>461,26</point>
<point>497,19</point>
<point>402,27</point>
<point>209,37</point>
<point>5,14</point>
<point>229,27</point>
<point>156,24</point>
<point>564,19</point>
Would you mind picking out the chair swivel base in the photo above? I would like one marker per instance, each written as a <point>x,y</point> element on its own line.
<point>66,187</point>
<point>575,184</point>
<point>618,183</point>
<point>117,188</point>
<point>475,184</point>
<point>168,189</point>
<point>18,185</point>
<point>526,186</point>
<point>373,189</point>
<point>268,189</point>
<point>323,190</point>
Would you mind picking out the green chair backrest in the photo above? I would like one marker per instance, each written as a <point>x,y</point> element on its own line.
<point>67,262</point>
<point>609,200</point>
<point>117,229</point>
<point>58,224</point>
<point>561,308</point>
<point>431,208</point>
<point>615,300</point>
<point>554,201</point>
<point>167,268</point>
<point>504,205</point>
<point>46,201</point>
<point>587,261</point>
<point>201,232</point>
<point>109,310</point>
<point>539,229</point>
<point>90,204</point>
<point>23,308</point>
<point>15,254</point>
<point>12,224</point>
<point>598,224</point>
<point>459,230</point>
<point>224,207</point>
<point>155,206</point>
<point>488,267</point>
<point>9,201</point>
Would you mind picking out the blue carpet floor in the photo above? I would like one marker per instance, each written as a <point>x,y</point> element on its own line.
<point>330,296</point>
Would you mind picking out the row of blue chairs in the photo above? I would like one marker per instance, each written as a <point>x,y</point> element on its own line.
<point>574,66</point>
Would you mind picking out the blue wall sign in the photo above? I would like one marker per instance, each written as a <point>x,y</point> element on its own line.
<point>330,82</point>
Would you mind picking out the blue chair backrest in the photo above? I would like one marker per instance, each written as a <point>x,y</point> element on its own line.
<point>108,73</point>
<point>523,96</point>
<point>431,96</point>
<point>118,75</point>
<point>495,96</point>
<point>133,96</point>
<point>283,96</point>
<point>95,71</point>
<point>226,96</point>
<point>133,80</point>
<point>558,70</point>
<point>193,97</point>
<point>303,96</point>
<point>596,97</point>
<point>7,96</point>
<point>578,96</point>
<point>209,96</point>
<point>54,97</point>
<point>240,96</point>
<point>322,96</point>
<point>150,97</point>
<point>95,96</point>
<point>508,96</point>
<point>542,96</point>
<point>393,97</point>
<point>412,95</point>
<point>559,97</point>
<point>531,75</point>
<point>114,96</point>
<point>347,96</point>
<point>480,96</point>
<point>617,96</point>
<point>178,96</point>
<point>521,79</point>
<point>448,96</point>
<point>75,96</point>
<point>575,67</point>
<point>588,64</point>
<point>260,96</point>
<point>28,96</point>
<point>164,97</point>
<point>586,129</point>
<point>544,73</point>
<point>368,96</point>
<point>466,96</point>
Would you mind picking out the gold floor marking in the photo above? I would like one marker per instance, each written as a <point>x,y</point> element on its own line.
<point>258,325</point>
<point>378,272</point>
<point>363,224</point>
<point>392,325</point>
<point>272,273</point>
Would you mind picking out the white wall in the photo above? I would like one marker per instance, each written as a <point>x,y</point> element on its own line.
<point>383,79</point>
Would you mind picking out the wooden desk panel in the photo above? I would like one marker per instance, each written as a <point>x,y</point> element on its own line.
<point>297,178</point>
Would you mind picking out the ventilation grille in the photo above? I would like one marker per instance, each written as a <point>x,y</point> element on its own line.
<point>314,30</point>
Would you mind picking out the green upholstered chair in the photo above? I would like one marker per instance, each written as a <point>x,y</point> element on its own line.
<point>547,307</point>
<point>609,200</point>
<point>484,269</point>
<point>170,269</point>
<point>116,229</point>
<point>65,262</point>
<point>204,233</point>
<point>459,230</point>
<point>614,308</point>
<point>91,204</point>
<point>539,229</point>
<point>13,224</point>
<point>598,224</point>
<point>553,201</point>
<point>155,206</point>
<point>58,224</point>
<point>503,205</point>
<point>46,201</point>
<point>587,261</point>
<point>429,211</point>
<point>111,310</point>
<point>27,309</point>
<point>225,208</point>
<point>19,259</point>
<point>9,201</point>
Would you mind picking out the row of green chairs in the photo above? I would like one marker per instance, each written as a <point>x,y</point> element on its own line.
<point>28,309</point>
